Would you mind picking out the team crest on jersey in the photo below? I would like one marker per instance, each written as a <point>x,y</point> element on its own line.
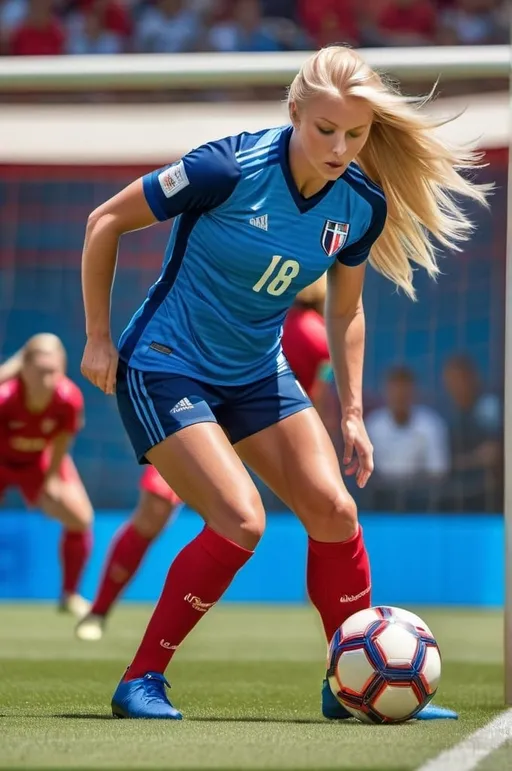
<point>48,425</point>
<point>334,236</point>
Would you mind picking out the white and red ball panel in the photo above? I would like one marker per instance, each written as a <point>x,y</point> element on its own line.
<point>393,701</point>
<point>397,646</point>
<point>384,664</point>
<point>431,670</point>
<point>357,670</point>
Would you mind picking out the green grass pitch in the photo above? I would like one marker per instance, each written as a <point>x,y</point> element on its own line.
<point>248,681</point>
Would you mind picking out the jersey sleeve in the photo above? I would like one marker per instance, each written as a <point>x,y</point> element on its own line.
<point>202,180</point>
<point>74,411</point>
<point>6,391</point>
<point>359,251</point>
<point>3,402</point>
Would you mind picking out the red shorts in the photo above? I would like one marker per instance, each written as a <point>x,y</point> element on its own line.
<point>152,482</point>
<point>29,479</point>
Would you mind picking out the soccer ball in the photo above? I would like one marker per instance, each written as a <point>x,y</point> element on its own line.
<point>383,665</point>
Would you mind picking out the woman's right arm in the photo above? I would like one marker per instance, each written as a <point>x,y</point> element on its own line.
<point>126,211</point>
<point>11,367</point>
<point>200,181</point>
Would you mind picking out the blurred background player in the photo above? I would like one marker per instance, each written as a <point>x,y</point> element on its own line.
<point>157,503</point>
<point>41,410</point>
<point>305,346</point>
<point>304,336</point>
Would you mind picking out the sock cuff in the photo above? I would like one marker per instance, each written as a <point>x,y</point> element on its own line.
<point>77,535</point>
<point>130,528</point>
<point>228,553</point>
<point>337,549</point>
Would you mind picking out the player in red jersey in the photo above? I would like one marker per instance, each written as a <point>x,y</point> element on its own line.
<point>304,335</point>
<point>41,411</point>
<point>157,503</point>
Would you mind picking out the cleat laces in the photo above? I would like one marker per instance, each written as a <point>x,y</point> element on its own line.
<point>154,687</point>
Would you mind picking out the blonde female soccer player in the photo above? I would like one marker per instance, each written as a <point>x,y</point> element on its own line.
<point>41,411</point>
<point>200,377</point>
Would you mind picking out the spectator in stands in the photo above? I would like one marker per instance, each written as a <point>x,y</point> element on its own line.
<point>244,30</point>
<point>401,23</point>
<point>12,13</point>
<point>473,22</point>
<point>168,26</point>
<point>476,440</point>
<point>40,33</point>
<point>281,9</point>
<point>411,448</point>
<point>98,27</point>
<point>329,21</point>
<point>115,14</point>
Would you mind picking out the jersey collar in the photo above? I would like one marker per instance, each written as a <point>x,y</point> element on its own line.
<point>302,204</point>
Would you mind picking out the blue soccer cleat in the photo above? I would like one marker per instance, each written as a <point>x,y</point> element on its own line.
<point>144,698</point>
<point>333,710</point>
<point>431,712</point>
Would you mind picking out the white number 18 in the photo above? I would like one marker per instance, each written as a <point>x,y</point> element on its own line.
<point>282,280</point>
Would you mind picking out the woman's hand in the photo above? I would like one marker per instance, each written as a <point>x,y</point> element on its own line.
<point>99,363</point>
<point>356,440</point>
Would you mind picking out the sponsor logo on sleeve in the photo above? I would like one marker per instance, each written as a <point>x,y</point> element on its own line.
<point>173,179</point>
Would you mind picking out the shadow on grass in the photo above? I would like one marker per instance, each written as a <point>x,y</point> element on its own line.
<point>259,719</point>
<point>84,716</point>
<point>216,719</point>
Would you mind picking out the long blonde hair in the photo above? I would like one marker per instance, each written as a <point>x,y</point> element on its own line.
<point>419,172</point>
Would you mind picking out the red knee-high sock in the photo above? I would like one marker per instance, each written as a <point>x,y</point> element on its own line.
<point>338,578</point>
<point>126,551</point>
<point>197,578</point>
<point>74,551</point>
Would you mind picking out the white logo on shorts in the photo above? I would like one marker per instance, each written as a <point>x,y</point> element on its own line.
<point>183,404</point>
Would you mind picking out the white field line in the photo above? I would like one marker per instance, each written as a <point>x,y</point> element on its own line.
<point>466,755</point>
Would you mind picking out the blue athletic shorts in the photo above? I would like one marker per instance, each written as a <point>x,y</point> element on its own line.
<point>154,405</point>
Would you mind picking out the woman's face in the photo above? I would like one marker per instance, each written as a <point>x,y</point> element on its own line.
<point>332,131</point>
<point>42,371</point>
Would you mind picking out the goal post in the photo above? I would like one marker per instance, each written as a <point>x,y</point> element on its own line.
<point>507,422</point>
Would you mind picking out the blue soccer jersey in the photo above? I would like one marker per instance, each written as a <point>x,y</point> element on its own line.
<point>243,243</point>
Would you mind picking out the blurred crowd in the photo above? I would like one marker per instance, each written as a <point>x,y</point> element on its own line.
<point>444,453</point>
<point>433,452</point>
<point>38,27</point>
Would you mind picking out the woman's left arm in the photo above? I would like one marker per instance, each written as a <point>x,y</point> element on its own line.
<point>345,323</point>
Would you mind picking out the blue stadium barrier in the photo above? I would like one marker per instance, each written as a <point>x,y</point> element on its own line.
<point>416,559</point>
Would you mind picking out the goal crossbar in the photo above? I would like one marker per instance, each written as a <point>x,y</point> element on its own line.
<point>202,70</point>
